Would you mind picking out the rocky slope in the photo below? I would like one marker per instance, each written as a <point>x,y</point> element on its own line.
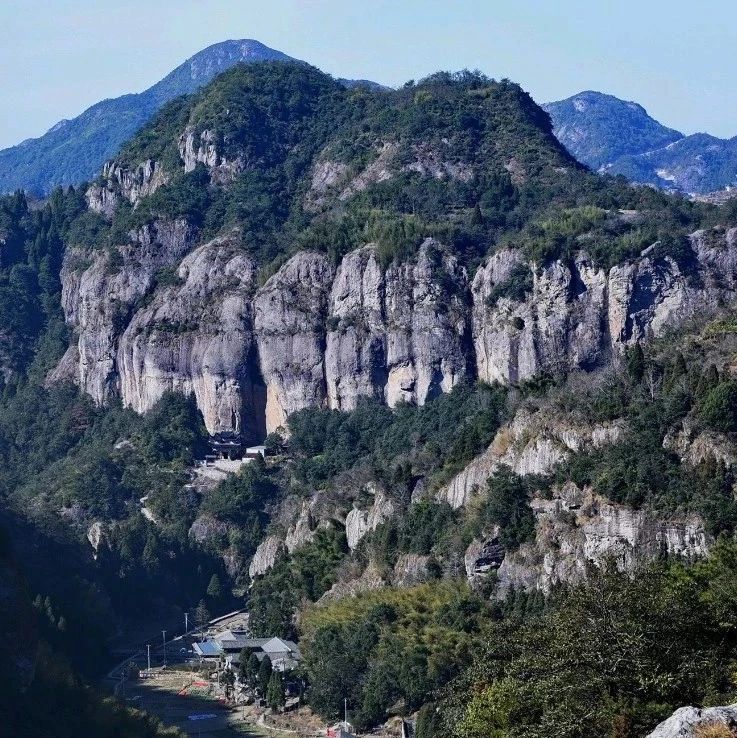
<point>535,442</point>
<point>577,528</point>
<point>315,335</point>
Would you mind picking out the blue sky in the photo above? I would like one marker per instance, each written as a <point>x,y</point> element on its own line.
<point>676,58</point>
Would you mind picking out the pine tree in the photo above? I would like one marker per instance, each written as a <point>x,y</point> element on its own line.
<point>275,691</point>
<point>264,674</point>
<point>214,590</point>
<point>202,615</point>
<point>252,669</point>
<point>636,362</point>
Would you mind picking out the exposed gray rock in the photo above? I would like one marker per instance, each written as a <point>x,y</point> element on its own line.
<point>483,557</point>
<point>102,199</point>
<point>379,170</point>
<point>205,528</point>
<point>326,176</point>
<point>203,149</point>
<point>290,311</point>
<point>411,569</point>
<point>558,326</point>
<point>325,337</point>
<point>266,556</point>
<point>578,316</point>
<point>196,337</point>
<point>97,536</point>
<point>360,522</point>
<point>431,163</point>
<point>303,530</point>
<point>578,528</point>
<point>133,184</point>
<point>100,290</point>
<point>695,446</point>
<point>534,442</point>
<point>370,580</point>
<point>686,721</point>
<point>399,335</point>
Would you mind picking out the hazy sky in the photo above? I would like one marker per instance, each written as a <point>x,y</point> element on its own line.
<point>676,58</point>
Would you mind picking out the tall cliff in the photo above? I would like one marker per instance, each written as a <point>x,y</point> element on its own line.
<point>381,210</point>
<point>317,335</point>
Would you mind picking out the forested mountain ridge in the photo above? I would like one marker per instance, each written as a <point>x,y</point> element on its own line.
<point>375,209</point>
<point>72,151</point>
<point>597,128</point>
<point>620,138</point>
<point>471,355</point>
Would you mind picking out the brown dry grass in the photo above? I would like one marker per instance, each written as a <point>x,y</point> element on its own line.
<point>714,730</point>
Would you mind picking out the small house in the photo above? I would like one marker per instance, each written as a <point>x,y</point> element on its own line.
<point>283,654</point>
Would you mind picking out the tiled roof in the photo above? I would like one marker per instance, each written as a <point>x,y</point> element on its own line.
<point>207,648</point>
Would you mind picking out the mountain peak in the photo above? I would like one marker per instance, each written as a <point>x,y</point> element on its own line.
<point>210,61</point>
<point>598,128</point>
<point>73,151</point>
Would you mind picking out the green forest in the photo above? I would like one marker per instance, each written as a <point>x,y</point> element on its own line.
<point>585,660</point>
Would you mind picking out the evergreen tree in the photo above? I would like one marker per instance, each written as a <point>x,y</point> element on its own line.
<point>264,674</point>
<point>252,668</point>
<point>202,615</point>
<point>214,590</point>
<point>636,362</point>
<point>275,691</point>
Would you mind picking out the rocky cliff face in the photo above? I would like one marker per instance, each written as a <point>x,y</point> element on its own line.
<point>576,529</point>
<point>360,522</point>
<point>577,315</point>
<point>315,335</point>
<point>290,330</point>
<point>196,337</point>
<point>400,335</point>
<point>102,288</point>
<point>130,184</point>
<point>534,442</point>
<point>203,148</point>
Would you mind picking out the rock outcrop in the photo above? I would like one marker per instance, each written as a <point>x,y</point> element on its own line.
<point>535,442</point>
<point>576,315</point>
<point>360,522</point>
<point>203,148</point>
<point>157,313</point>
<point>266,556</point>
<point>196,337</point>
<point>411,570</point>
<point>400,335</point>
<point>290,329</point>
<point>303,530</point>
<point>695,446</point>
<point>687,722</point>
<point>577,528</point>
<point>100,290</point>
<point>370,580</point>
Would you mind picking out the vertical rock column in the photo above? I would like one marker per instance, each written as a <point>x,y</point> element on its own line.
<point>289,318</point>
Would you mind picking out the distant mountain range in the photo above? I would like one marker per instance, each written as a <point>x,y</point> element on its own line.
<point>602,131</point>
<point>73,151</point>
<point>619,137</point>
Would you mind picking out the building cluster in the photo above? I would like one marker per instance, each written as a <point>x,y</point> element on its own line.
<point>226,648</point>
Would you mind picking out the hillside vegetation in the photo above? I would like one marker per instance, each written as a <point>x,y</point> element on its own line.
<point>284,159</point>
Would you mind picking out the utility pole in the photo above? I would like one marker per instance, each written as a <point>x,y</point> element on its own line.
<point>163,634</point>
<point>148,649</point>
